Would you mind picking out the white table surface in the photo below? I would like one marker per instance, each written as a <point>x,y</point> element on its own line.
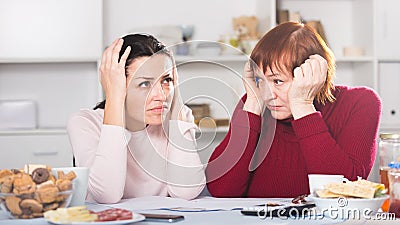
<point>224,215</point>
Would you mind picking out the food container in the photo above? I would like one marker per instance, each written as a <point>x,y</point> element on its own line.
<point>21,206</point>
<point>29,195</point>
<point>394,182</point>
<point>389,152</point>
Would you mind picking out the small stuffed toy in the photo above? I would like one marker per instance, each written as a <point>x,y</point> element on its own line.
<point>245,27</point>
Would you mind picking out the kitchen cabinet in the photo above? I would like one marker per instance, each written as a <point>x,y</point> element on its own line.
<point>41,146</point>
<point>49,53</point>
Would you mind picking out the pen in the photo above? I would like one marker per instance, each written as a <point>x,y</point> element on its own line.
<point>257,81</point>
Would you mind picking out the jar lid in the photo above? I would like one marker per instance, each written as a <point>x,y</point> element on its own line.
<point>394,165</point>
<point>389,135</point>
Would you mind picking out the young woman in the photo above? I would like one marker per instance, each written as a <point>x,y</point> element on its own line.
<point>140,140</point>
<point>294,121</point>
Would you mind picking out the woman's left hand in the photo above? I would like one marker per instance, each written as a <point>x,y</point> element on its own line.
<point>308,80</point>
<point>178,109</point>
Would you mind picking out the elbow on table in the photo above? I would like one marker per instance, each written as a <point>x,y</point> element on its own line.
<point>222,192</point>
<point>187,193</point>
<point>106,197</point>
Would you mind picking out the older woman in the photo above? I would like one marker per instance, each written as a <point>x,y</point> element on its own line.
<point>294,121</point>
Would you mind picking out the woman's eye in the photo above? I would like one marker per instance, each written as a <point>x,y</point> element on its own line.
<point>145,84</point>
<point>278,82</point>
<point>167,80</point>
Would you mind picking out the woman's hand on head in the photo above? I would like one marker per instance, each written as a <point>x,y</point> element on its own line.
<point>178,111</point>
<point>252,84</point>
<point>112,72</point>
<point>308,80</point>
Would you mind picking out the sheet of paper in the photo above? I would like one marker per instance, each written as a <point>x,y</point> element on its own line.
<point>151,202</point>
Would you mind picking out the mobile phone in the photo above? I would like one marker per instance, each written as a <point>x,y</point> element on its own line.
<point>162,217</point>
<point>279,211</point>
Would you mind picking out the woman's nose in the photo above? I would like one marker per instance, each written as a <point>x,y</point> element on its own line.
<point>270,93</point>
<point>158,93</point>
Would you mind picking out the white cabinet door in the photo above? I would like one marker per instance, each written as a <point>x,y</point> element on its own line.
<point>47,29</point>
<point>17,150</point>
<point>387,30</point>
<point>389,82</point>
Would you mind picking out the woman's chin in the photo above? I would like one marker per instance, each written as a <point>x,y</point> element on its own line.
<point>280,115</point>
<point>154,120</point>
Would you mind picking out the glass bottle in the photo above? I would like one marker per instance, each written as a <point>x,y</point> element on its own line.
<point>394,183</point>
<point>389,152</point>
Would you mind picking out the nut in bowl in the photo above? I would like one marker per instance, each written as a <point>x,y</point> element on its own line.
<point>355,200</point>
<point>29,192</point>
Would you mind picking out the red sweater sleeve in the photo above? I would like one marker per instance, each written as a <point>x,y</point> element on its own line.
<point>352,150</point>
<point>228,167</point>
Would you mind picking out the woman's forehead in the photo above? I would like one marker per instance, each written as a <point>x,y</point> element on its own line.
<point>153,66</point>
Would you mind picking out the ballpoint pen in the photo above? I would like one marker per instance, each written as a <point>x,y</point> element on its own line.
<point>257,80</point>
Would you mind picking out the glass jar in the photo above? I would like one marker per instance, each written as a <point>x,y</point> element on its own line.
<point>394,184</point>
<point>389,152</point>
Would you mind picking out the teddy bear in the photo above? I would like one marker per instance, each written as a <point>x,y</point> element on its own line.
<point>245,27</point>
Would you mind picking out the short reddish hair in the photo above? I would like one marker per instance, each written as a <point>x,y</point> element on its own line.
<point>288,45</point>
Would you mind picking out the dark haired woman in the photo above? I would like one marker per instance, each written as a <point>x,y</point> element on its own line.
<point>139,141</point>
<point>293,121</point>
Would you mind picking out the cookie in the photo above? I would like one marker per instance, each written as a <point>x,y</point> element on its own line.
<point>32,205</point>
<point>23,184</point>
<point>12,204</point>
<point>40,175</point>
<point>46,194</point>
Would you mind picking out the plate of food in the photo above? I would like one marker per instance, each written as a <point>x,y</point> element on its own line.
<point>81,215</point>
<point>344,199</point>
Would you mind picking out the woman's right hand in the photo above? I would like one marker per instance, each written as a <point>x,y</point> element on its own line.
<point>253,83</point>
<point>112,72</point>
<point>113,81</point>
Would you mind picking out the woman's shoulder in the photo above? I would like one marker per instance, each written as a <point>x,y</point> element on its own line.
<point>357,93</point>
<point>85,116</point>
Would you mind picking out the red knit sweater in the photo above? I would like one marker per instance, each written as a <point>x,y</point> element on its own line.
<point>340,138</point>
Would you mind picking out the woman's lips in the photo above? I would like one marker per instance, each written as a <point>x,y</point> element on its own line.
<point>158,109</point>
<point>274,107</point>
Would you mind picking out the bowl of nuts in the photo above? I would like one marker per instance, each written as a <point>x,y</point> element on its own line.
<point>28,193</point>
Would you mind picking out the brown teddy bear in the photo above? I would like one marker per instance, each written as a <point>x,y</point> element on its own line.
<point>245,27</point>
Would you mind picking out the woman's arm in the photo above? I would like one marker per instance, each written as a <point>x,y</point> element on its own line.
<point>351,150</point>
<point>228,168</point>
<point>104,151</point>
<point>185,171</point>
<point>102,148</point>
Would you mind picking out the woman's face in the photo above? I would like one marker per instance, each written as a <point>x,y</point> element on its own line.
<point>150,87</point>
<point>277,100</point>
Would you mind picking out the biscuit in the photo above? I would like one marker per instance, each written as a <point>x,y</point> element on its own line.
<point>50,206</point>
<point>64,185</point>
<point>70,175</point>
<point>12,204</point>
<point>7,184</point>
<point>32,205</point>
<point>23,184</point>
<point>4,173</point>
<point>46,194</point>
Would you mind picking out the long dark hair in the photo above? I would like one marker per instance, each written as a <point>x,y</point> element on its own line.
<point>141,45</point>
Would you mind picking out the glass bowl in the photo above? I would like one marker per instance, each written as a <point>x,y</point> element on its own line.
<point>28,206</point>
<point>23,198</point>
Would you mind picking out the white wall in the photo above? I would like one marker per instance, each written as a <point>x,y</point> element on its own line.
<point>211,18</point>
